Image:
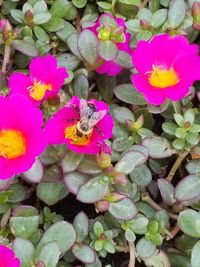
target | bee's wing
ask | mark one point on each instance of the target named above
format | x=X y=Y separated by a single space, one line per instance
x=96 y=117
x=84 y=109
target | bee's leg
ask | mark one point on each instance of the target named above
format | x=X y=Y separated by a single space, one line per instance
x=72 y=119
x=99 y=130
x=75 y=108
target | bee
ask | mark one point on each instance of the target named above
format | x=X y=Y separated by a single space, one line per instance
x=89 y=117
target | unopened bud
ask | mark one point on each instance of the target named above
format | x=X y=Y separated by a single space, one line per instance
x=54 y=101
x=135 y=125
x=102 y=205
x=114 y=197
x=195 y=9
x=120 y=178
x=2 y=22
x=7 y=32
x=29 y=18
x=145 y=24
x=196 y=26
x=41 y=264
x=104 y=160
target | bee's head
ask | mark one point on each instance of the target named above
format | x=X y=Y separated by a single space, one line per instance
x=84 y=126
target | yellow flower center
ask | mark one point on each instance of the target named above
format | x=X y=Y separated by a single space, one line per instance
x=38 y=90
x=162 y=78
x=12 y=144
x=76 y=137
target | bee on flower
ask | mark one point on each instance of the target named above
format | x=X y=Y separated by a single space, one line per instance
x=82 y=125
x=44 y=81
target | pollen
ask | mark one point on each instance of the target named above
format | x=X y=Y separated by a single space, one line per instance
x=162 y=78
x=75 y=137
x=12 y=144
x=38 y=90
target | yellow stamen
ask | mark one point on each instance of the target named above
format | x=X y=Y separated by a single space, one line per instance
x=162 y=78
x=12 y=144
x=38 y=90
x=75 y=137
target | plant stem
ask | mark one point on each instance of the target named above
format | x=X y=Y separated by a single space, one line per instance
x=176 y=165
x=132 y=254
x=177 y=107
x=174 y=232
x=6 y=58
x=146 y=198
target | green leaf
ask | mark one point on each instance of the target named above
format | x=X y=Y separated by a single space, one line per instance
x=129 y=161
x=89 y=165
x=62 y=232
x=84 y=253
x=24 y=250
x=54 y=24
x=51 y=193
x=98 y=229
x=74 y=180
x=104 y=5
x=131 y=2
x=139 y=224
x=49 y=254
x=81 y=224
x=188 y=189
x=107 y=50
x=141 y=175
x=124 y=60
x=130 y=235
x=176 y=13
x=189 y=222
x=167 y=191
x=179 y=143
x=192 y=138
x=159 y=18
x=193 y=166
x=35 y=173
x=128 y=94
x=71 y=161
x=25 y=47
x=145 y=248
x=133 y=25
x=87 y=45
x=123 y=210
x=195 y=256
x=145 y=14
x=179 y=119
x=152 y=143
x=65 y=32
x=63 y=9
x=41 y=34
x=93 y=190
x=122 y=114
x=79 y=3
x=81 y=86
x=169 y=128
x=189 y=116
x=24 y=227
x=41 y=18
x=180 y=132
x=158 y=259
x=17 y=15
x=40 y=7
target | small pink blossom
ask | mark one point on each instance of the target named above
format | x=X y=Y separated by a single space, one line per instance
x=21 y=136
x=167 y=66
x=122 y=40
x=7 y=257
x=2 y=22
x=44 y=81
x=64 y=126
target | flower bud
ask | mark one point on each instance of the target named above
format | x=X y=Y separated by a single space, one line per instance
x=195 y=10
x=41 y=264
x=29 y=18
x=104 y=160
x=102 y=205
x=120 y=178
x=114 y=197
x=145 y=24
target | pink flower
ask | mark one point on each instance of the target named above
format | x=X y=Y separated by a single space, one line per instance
x=115 y=33
x=44 y=81
x=167 y=66
x=82 y=125
x=21 y=136
x=7 y=257
x=2 y=22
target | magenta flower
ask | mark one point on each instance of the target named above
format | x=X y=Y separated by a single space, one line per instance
x=2 y=22
x=21 y=136
x=107 y=28
x=82 y=125
x=167 y=66
x=44 y=81
x=7 y=257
